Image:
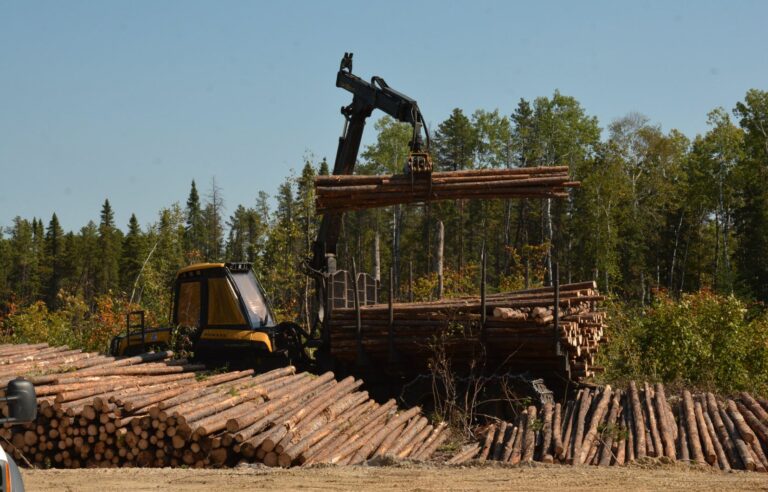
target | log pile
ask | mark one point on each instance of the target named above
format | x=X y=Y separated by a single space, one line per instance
x=343 y=193
x=606 y=427
x=151 y=410
x=519 y=331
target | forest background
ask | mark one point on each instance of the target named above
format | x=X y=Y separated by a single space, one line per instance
x=673 y=228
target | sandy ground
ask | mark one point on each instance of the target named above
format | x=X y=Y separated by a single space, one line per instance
x=402 y=477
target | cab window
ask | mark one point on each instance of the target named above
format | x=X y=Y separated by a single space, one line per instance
x=253 y=297
x=188 y=313
x=223 y=308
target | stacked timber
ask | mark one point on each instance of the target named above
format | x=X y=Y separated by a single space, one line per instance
x=356 y=192
x=606 y=427
x=519 y=331
x=151 y=410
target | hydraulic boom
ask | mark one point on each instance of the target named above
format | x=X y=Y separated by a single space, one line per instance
x=367 y=96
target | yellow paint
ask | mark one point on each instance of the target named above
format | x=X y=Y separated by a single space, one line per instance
x=155 y=336
x=199 y=266
x=238 y=335
x=163 y=337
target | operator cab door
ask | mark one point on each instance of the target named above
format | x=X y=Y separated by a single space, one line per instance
x=224 y=309
x=207 y=301
x=189 y=307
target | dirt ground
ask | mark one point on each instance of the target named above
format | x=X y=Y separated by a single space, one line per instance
x=402 y=477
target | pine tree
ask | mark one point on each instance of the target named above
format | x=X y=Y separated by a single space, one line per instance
x=455 y=146
x=134 y=251
x=88 y=267
x=22 y=275
x=246 y=235
x=262 y=207
x=69 y=262
x=108 y=270
x=38 y=257
x=194 y=231
x=323 y=169
x=53 y=257
x=214 y=224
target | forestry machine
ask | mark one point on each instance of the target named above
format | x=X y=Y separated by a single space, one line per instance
x=222 y=308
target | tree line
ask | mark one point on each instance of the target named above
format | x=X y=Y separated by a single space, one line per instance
x=656 y=210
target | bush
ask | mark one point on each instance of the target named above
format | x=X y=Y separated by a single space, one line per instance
x=706 y=340
x=74 y=324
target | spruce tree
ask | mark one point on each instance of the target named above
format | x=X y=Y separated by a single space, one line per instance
x=133 y=255
x=108 y=269
x=323 y=169
x=194 y=230
x=53 y=257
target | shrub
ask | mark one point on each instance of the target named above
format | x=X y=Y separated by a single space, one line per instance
x=75 y=324
x=703 y=339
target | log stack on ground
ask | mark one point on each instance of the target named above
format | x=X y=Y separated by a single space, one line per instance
x=519 y=331
x=151 y=410
x=344 y=193
x=606 y=427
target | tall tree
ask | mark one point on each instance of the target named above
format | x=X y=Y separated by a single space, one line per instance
x=53 y=255
x=456 y=143
x=23 y=275
x=108 y=270
x=752 y=214
x=387 y=155
x=88 y=267
x=134 y=252
x=194 y=232
x=214 y=223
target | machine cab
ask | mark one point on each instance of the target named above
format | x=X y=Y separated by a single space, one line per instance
x=221 y=306
x=220 y=296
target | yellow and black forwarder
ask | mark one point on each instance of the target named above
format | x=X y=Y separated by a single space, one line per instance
x=224 y=312
x=223 y=303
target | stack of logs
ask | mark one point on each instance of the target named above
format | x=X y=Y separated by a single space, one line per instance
x=150 y=410
x=356 y=192
x=519 y=332
x=613 y=427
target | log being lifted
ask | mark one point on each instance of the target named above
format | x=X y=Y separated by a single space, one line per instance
x=150 y=410
x=356 y=192
x=603 y=427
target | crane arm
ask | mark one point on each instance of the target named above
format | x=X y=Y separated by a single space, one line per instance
x=367 y=96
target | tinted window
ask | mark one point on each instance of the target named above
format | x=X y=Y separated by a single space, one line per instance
x=253 y=297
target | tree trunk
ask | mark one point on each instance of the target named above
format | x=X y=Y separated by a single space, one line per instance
x=439 y=257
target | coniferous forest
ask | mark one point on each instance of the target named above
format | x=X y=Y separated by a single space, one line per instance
x=660 y=217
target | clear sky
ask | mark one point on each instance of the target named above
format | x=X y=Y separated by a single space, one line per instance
x=132 y=100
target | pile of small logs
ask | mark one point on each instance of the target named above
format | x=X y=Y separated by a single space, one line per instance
x=518 y=331
x=151 y=410
x=612 y=427
x=356 y=192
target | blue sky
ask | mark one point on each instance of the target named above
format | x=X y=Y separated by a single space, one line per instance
x=132 y=100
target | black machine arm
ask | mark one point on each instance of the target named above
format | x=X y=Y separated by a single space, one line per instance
x=377 y=94
x=367 y=96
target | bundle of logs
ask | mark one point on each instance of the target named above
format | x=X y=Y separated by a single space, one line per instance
x=356 y=192
x=151 y=410
x=518 y=332
x=613 y=427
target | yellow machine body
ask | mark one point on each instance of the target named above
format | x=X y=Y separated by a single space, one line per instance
x=220 y=306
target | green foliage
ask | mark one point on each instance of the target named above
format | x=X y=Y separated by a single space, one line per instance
x=704 y=339
x=655 y=210
x=74 y=324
